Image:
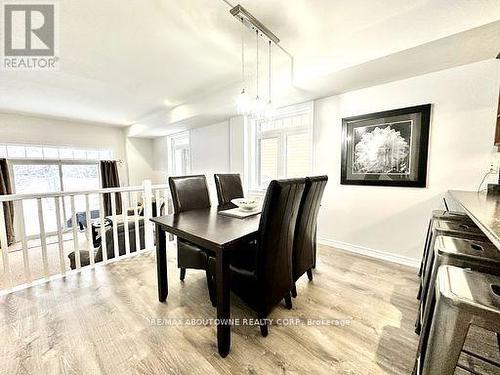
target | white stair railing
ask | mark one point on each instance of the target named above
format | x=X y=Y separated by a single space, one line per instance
x=19 y=268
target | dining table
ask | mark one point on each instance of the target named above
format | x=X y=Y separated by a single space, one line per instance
x=217 y=234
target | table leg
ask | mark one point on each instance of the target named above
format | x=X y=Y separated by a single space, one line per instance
x=223 y=303
x=161 y=264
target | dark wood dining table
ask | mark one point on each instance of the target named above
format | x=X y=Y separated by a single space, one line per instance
x=216 y=233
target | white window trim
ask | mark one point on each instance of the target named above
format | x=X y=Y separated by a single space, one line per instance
x=58 y=148
x=170 y=151
x=282 y=134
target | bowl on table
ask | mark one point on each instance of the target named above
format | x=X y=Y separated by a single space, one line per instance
x=246 y=204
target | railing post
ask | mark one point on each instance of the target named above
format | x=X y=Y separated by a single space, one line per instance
x=148 y=204
x=115 y=226
x=102 y=228
x=88 y=230
x=22 y=233
x=74 y=224
x=60 y=243
x=136 y=223
x=43 y=237
x=4 y=245
x=126 y=228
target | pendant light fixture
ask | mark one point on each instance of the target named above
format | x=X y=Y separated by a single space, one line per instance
x=269 y=110
x=258 y=105
x=243 y=101
x=258 y=108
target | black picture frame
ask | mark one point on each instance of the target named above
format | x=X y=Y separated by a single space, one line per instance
x=410 y=126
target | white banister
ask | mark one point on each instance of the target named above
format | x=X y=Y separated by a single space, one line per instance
x=75 y=233
x=4 y=245
x=17 y=197
x=24 y=240
x=43 y=238
x=18 y=267
x=148 y=205
x=116 y=251
x=88 y=230
x=60 y=243
x=125 y=222
x=157 y=202
x=136 y=223
x=102 y=228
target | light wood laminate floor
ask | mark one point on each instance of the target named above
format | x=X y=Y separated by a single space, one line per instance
x=99 y=322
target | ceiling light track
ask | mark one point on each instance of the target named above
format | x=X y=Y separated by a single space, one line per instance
x=245 y=17
x=257 y=109
x=253 y=23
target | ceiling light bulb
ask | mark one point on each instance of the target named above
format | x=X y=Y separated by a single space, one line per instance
x=269 y=110
x=243 y=103
x=258 y=108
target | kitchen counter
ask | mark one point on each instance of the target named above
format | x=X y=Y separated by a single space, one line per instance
x=483 y=209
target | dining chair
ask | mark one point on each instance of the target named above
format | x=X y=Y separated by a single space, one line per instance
x=304 y=248
x=190 y=193
x=228 y=187
x=266 y=277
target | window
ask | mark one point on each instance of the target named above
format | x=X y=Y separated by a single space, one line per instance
x=283 y=146
x=37 y=178
x=268 y=160
x=80 y=177
x=47 y=169
x=31 y=176
x=40 y=152
x=179 y=154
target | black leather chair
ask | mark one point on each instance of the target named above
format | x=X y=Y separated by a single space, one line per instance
x=190 y=193
x=304 y=249
x=228 y=187
x=265 y=278
x=110 y=244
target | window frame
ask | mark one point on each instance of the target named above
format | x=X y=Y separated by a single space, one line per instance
x=171 y=152
x=59 y=164
x=58 y=149
x=282 y=134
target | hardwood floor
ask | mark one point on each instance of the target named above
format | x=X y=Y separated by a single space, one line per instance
x=100 y=322
x=16 y=263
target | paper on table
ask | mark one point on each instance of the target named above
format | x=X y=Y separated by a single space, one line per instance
x=239 y=213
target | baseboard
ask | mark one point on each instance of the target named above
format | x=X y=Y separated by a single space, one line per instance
x=389 y=257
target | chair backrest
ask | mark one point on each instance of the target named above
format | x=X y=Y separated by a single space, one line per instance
x=189 y=193
x=275 y=239
x=304 y=249
x=228 y=187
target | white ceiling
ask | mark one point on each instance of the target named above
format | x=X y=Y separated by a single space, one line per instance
x=163 y=65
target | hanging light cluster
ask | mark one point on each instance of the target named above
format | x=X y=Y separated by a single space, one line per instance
x=256 y=108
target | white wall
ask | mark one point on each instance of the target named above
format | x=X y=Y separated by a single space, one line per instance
x=140 y=160
x=237 y=144
x=160 y=160
x=210 y=149
x=391 y=219
x=22 y=129
x=210 y=152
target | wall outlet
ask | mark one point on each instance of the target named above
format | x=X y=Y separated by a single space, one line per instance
x=493 y=166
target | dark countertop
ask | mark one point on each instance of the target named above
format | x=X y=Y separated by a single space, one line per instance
x=483 y=209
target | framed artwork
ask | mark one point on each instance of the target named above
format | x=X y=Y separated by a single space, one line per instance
x=386 y=148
